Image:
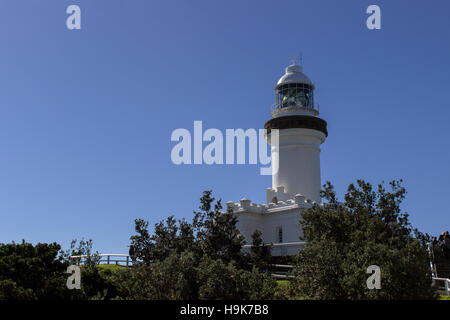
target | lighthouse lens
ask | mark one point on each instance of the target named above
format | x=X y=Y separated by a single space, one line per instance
x=295 y=95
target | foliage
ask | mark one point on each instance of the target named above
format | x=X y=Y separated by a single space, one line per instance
x=286 y=290
x=369 y=228
x=97 y=283
x=181 y=277
x=174 y=278
x=110 y=267
x=198 y=260
x=32 y=272
x=211 y=233
x=260 y=252
x=220 y=280
x=84 y=248
x=203 y=259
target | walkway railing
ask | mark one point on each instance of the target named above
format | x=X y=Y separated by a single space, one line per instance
x=430 y=249
x=446 y=286
x=281 y=248
x=107 y=258
x=282 y=271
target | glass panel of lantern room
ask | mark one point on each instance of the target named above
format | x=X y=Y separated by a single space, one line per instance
x=281 y=93
x=300 y=97
x=289 y=98
x=284 y=97
x=276 y=99
x=280 y=90
x=280 y=97
x=309 y=94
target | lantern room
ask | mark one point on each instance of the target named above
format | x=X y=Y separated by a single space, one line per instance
x=294 y=89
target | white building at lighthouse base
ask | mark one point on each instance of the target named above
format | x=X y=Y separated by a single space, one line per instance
x=279 y=222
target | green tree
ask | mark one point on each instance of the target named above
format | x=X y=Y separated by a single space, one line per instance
x=212 y=233
x=220 y=280
x=260 y=252
x=202 y=259
x=82 y=248
x=183 y=277
x=174 y=278
x=219 y=238
x=32 y=272
x=368 y=228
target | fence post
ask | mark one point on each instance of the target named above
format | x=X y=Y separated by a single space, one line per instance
x=128 y=258
x=447 y=290
x=107 y=260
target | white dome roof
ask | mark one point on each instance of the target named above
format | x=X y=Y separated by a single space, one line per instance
x=294 y=74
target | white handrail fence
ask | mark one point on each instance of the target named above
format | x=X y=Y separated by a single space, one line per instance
x=125 y=260
x=105 y=258
x=445 y=287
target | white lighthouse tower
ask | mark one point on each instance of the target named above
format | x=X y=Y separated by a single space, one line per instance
x=301 y=132
x=296 y=166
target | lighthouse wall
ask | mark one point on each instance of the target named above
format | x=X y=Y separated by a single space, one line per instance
x=297 y=162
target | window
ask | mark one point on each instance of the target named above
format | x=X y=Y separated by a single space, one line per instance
x=280 y=234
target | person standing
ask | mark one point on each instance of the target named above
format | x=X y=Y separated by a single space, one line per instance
x=446 y=246
x=132 y=253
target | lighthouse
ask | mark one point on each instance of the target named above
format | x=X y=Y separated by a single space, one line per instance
x=296 y=167
x=296 y=179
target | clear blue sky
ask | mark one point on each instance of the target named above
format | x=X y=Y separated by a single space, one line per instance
x=86 y=116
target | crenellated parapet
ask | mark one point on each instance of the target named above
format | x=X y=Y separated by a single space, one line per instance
x=275 y=195
x=246 y=206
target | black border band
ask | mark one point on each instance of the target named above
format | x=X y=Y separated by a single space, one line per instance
x=290 y=122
